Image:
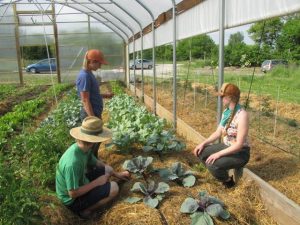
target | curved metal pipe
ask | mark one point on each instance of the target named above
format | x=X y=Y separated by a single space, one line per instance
x=153 y=54
x=174 y=66
x=129 y=28
x=110 y=27
x=103 y=17
x=141 y=31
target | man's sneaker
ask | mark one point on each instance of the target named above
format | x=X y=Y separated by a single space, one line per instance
x=229 y=184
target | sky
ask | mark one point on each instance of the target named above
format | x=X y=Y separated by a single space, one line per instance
x=243 y=29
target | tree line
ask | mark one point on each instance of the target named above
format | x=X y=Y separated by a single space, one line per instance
x=276 y=38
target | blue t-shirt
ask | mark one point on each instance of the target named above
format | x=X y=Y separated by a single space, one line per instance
x=86 y=81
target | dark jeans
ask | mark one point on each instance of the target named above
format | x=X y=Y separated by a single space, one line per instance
x=96 y=146
x=219 y=169
x=93 y=196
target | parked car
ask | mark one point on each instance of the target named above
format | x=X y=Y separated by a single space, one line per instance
x=42 y=66
x=147 y=64
x=268 y=65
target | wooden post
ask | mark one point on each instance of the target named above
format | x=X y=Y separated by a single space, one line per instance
x=17 y=38
x=56 y=43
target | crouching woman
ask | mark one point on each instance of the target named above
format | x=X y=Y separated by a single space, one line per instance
x=234 y=152
x=82 y=181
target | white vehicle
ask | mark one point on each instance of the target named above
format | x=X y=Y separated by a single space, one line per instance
x=147 y=64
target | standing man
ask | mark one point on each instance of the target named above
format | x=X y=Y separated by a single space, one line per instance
x=88 y=87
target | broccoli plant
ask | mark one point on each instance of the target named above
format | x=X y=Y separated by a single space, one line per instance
x=153 y=192
x=178 y=174
x=163 y=142
x=203 y=208
x=138 y=165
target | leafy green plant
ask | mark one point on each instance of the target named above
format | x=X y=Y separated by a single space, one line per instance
x=153 y=192
x=163 y=142
x=18 y=198
x=203 y=208
x=138 y=165
x=178 y=174
x=292 y=123
x=117 y=88
x=131 y=124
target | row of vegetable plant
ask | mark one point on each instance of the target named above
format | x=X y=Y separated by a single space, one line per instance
x=201 y=207
x=28 y=166
x=133 y=125
x=25 y=111
x=13 y=91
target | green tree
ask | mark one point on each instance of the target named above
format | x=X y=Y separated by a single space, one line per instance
x=235 y=49
x=288 y=43
x=183 y=49
x=202 y=47
x=266 y=31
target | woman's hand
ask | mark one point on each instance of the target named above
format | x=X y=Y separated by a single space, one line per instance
x=197 y=151
x=212 y=158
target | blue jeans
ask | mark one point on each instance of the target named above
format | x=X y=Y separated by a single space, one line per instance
x=219 y=169
x=93 y=196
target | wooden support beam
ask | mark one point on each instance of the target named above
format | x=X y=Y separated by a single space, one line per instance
x=17 y=38
x=56 y=44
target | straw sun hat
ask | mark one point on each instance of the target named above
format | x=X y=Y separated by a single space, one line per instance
x=91 y=130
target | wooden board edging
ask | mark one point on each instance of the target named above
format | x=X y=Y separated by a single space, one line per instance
x=283 y=210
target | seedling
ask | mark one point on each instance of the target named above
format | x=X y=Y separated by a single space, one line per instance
x=178 y=174
x=203 y=208
x=153 y=192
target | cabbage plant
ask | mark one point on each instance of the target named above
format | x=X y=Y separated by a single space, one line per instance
x=203 y=208
x=163 y=142
x=178 y=174
x=153 y=192
x=138 y=165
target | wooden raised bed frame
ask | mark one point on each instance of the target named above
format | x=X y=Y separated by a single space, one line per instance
x=281 y=208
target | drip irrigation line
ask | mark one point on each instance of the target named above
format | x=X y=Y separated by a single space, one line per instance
x=74 y=61
x=188 y=72
x=276 y=146
x=163 y=218
x=259 y=49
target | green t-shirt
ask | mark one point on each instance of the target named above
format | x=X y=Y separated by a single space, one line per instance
x=71 y=170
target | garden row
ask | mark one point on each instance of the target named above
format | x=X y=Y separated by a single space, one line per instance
x=28 y=159
x=21 y=113
x=28 y=173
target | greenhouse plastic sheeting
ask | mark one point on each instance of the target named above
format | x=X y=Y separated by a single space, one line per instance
x=128 y=17
x=204 y=18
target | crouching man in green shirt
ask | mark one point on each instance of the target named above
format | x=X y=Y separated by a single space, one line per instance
x=81 y=189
